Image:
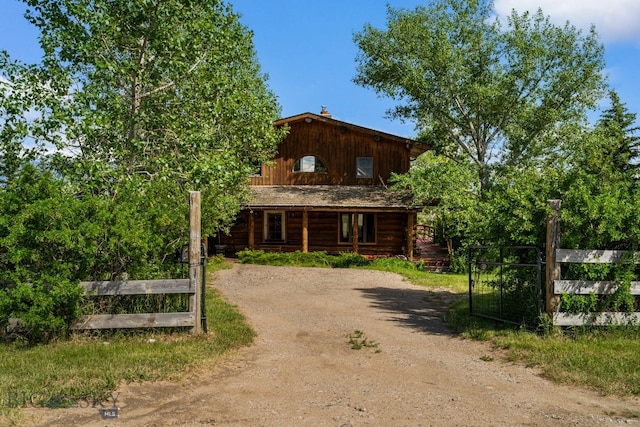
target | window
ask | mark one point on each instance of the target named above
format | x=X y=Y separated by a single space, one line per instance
x=309 y=164
x=274 y=226
x=366 y=227
x=364 y=167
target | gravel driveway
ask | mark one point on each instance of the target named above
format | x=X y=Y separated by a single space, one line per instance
x=303 y=371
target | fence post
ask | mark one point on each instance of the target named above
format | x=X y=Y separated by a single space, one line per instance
x=553 y=268
x=195 y=273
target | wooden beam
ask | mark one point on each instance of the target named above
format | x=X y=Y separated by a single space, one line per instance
x=410 y=234
x=305 y=231
x=577 y=256
x=552 y=301
x=252 y=231
x=138 y=287
x=354 y=232
x=596 y=319
x=145 y=320
x=586 y=287
x=195 y=271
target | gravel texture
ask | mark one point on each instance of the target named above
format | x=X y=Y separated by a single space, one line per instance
x=303 y=371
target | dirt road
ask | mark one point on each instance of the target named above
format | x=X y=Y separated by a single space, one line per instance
x=303 y=371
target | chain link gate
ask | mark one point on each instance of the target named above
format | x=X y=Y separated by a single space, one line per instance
x=505 y=284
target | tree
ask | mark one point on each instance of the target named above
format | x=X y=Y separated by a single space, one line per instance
x=617 y=127
x=448 y=192
x=476 y=89
x=601 y=197
x=140 y=101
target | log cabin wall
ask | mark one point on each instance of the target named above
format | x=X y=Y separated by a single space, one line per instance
x=337 y=146
x=323 y=234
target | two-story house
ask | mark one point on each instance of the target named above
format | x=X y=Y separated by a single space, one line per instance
x=326 y=190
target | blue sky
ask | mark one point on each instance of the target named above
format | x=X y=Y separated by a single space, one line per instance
x=307 y=48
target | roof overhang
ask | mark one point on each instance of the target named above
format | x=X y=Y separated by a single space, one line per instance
x=329 y=197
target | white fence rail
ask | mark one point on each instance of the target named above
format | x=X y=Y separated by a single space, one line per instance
x=556 y=286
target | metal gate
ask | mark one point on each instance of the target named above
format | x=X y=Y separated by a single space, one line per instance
x=505 y=284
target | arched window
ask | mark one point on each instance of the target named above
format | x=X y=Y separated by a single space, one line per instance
x=309 y=164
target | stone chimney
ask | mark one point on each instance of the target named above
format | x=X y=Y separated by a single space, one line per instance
x=325 y=112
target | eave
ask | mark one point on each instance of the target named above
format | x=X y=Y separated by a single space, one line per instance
x=329 y=198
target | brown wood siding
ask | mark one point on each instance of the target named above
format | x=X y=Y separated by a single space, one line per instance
x=323 y=234
x=391 y=233
x=337 y=147
x=323 y=231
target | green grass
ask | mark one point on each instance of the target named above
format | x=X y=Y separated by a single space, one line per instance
x=603 y=359
x=300 y=259
x=411 y=271
x=95 y=365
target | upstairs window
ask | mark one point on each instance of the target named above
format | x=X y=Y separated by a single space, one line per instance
x=364 y=167
x=309 y=164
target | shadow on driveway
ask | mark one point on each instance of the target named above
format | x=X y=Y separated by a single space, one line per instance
x=420 y=309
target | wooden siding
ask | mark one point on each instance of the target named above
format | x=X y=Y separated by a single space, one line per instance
x=324 y=230
x=338 y=147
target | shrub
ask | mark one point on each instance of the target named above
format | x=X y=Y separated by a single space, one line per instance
x=45 y=309
x=348 y=259
x=300 y=259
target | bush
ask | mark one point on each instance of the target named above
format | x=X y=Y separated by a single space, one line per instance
x=45 y=309
x=347 y=260
x=300 y=259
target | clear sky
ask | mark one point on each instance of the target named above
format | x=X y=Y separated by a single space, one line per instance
x=307 y=48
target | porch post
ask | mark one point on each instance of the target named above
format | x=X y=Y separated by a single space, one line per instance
x=252 y=229
x=410 y=225
x=305 y=231
x=355 y=232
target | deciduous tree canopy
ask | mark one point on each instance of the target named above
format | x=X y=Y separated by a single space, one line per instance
x=477 y=87
x=135 y=103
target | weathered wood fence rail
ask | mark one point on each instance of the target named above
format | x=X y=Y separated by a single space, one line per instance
x=141 y=320
x=192 y=286
x=556 y=286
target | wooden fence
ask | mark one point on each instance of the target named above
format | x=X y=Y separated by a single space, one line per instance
x=556 y=286
x=190 y=286
x=145 y=320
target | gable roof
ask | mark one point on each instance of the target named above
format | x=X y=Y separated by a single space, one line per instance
x=415 y=147
x=328 y=197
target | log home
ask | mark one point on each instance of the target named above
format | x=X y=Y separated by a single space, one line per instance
x=326 y=190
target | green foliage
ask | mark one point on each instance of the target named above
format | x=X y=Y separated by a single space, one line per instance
x=358 y=341
x=618 y=126
x=393 y=264
x=475 y=89
x=448 y=191
x=576 y=304
x=348 y=260
x=133 y=105
x=45 y=309
x=300 y=259
x=621 y=300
